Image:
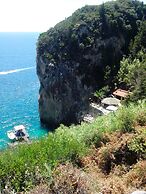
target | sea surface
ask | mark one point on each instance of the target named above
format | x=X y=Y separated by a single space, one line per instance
x=19 y=85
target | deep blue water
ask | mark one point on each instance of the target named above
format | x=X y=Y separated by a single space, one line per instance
x=19 y=85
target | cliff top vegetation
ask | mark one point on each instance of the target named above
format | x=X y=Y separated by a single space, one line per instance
x=96 y=38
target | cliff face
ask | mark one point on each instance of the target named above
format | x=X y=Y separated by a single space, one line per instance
x=61 y=94
x=82 y=54
x=67 y=86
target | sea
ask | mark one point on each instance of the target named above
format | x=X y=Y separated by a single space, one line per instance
x=19 y=85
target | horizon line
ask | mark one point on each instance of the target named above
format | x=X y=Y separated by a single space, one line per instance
x=21 y=31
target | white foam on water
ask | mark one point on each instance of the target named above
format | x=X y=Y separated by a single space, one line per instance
x=15 y=70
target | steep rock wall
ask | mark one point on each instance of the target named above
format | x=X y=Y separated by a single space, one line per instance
x=82 y=54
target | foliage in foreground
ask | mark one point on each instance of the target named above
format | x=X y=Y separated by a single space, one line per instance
x=28 y=165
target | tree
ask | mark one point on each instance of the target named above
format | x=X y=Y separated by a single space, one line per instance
x=132 y=74
x=139 y=40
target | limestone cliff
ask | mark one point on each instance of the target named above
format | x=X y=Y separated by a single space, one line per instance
x=62 y=95
x=82 y=54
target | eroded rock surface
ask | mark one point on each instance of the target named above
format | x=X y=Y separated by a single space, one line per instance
x=62 y=94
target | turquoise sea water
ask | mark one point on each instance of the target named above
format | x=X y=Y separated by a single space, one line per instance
x=19 y=85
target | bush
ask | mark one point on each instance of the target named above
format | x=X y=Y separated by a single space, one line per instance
x=28 y=164
x=138 y=145
x=137 y=176
x=141 y=116
x=104 y=160
x=126 y=119
x=69 y=179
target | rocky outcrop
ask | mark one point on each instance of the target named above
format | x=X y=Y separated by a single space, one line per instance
x=80 y=55
x=62 y=95
x=66 y=86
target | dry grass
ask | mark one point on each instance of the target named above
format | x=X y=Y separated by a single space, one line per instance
x=111 y=168
x=67 y=179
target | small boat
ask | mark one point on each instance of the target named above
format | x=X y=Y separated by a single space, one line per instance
x=18 y=133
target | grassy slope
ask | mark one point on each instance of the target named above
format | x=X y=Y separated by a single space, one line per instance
x=30 y=165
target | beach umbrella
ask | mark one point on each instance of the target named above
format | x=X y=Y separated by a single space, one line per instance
x=112 y=108
x=110 y=101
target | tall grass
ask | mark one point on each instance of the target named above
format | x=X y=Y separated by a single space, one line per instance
x=29 y=164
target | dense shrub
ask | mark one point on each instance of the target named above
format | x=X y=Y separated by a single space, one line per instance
x=138 y=145
x=69 y=179
x=132 y=72
x=137 y=176
x=26 y=165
